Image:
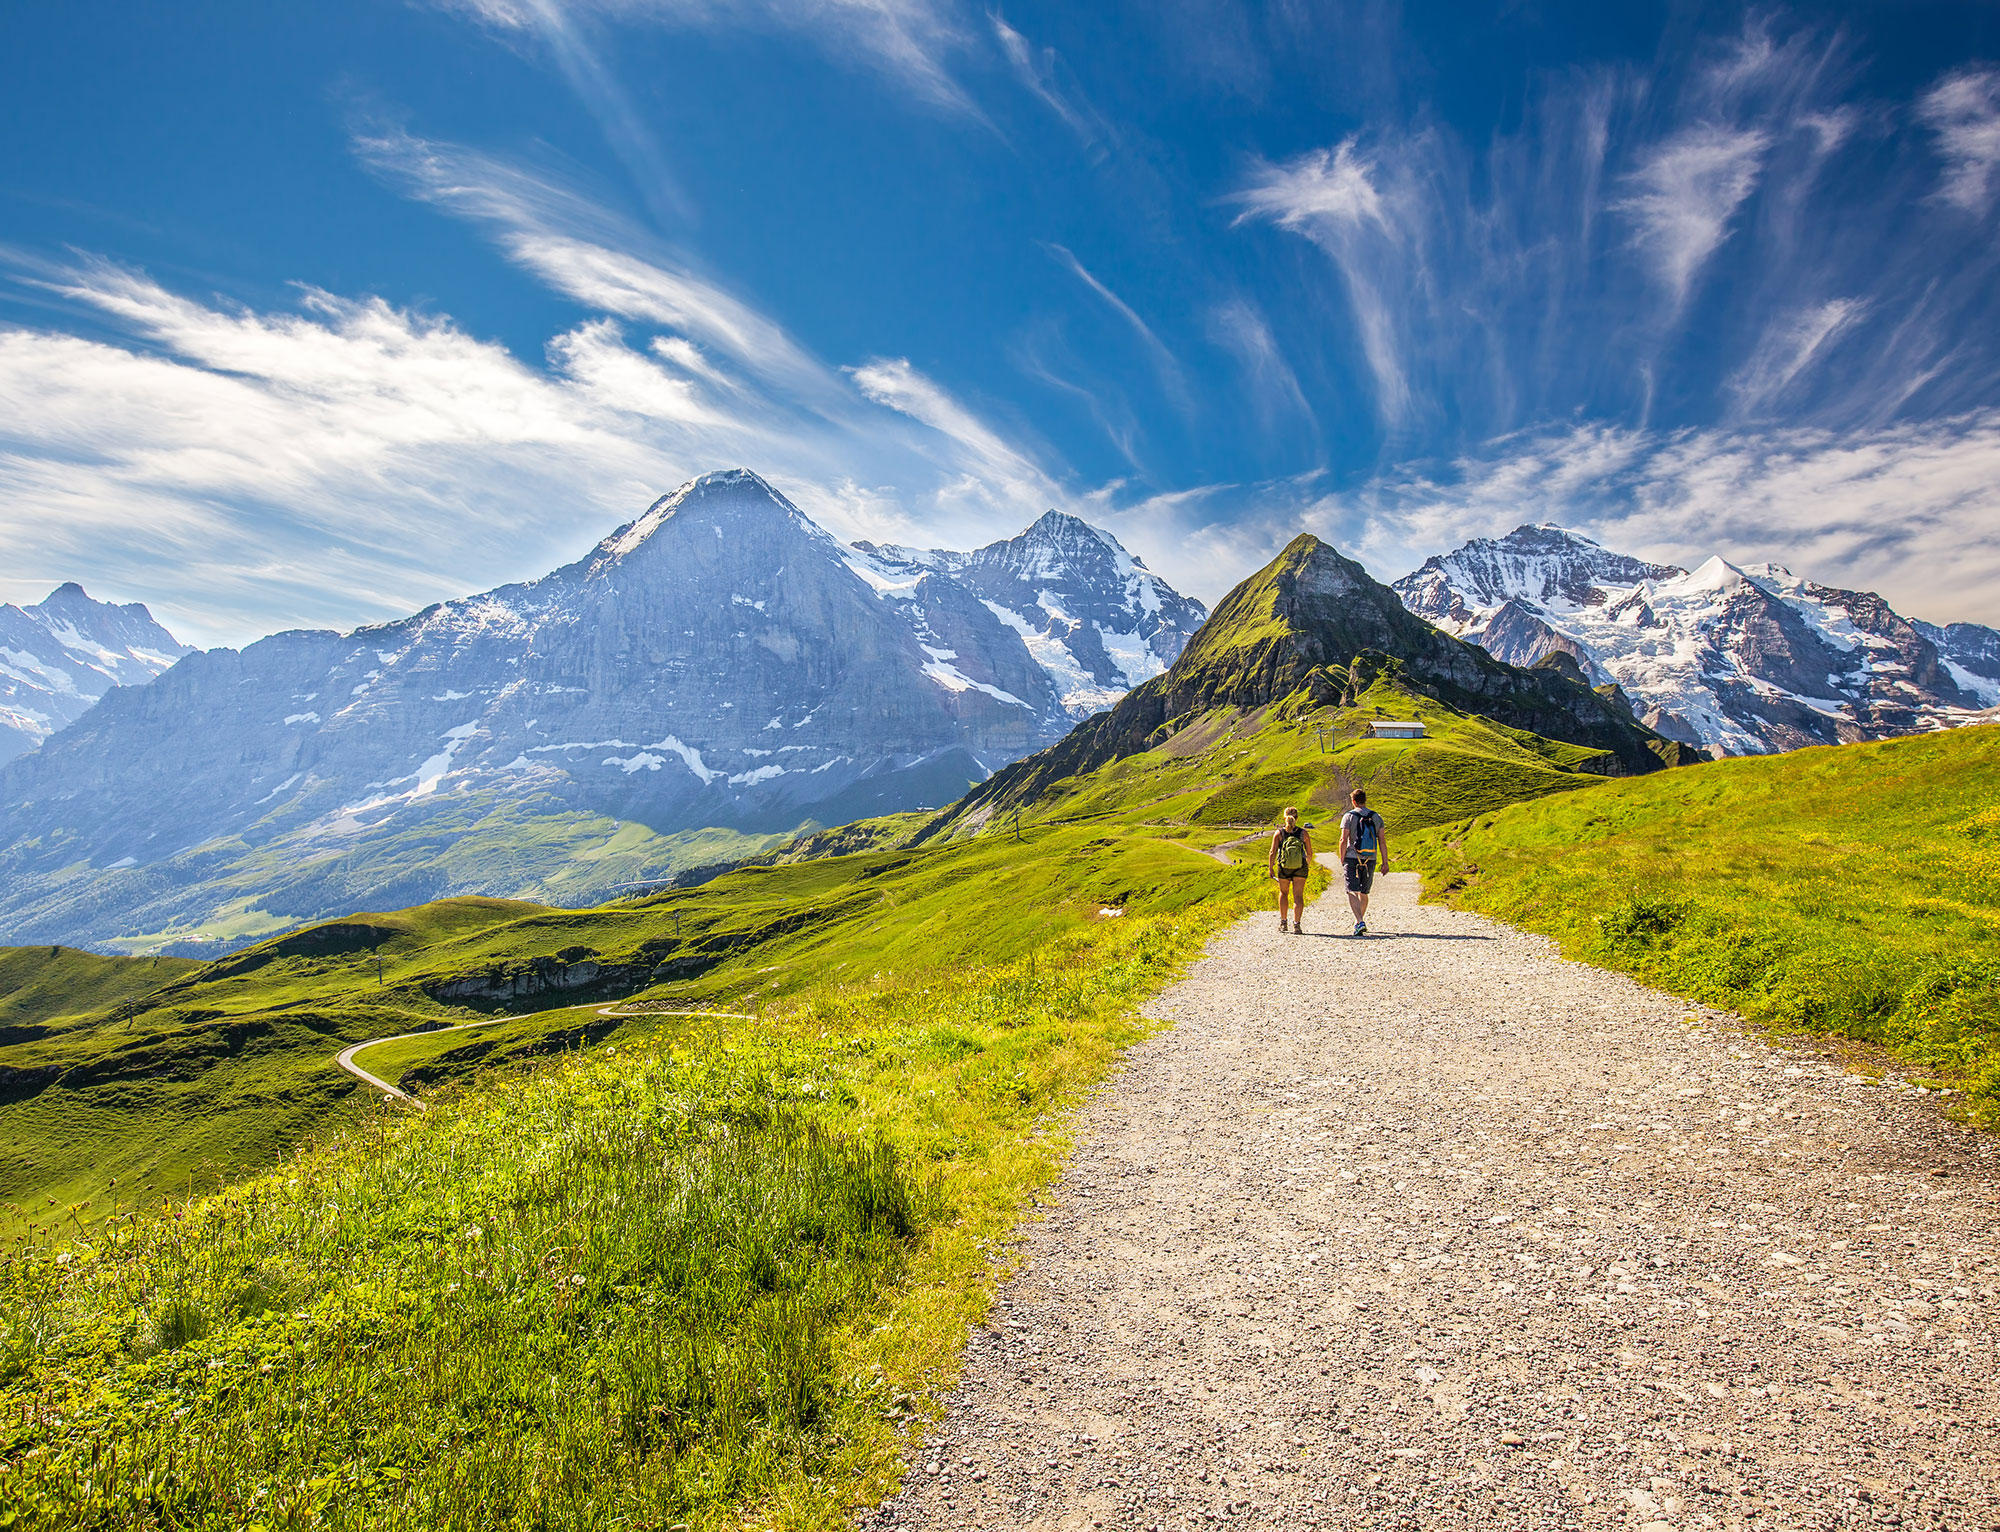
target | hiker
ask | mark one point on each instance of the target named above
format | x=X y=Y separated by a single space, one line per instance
x=1364 y=851
x=1291 y=858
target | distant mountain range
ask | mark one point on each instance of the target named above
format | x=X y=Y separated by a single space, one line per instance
x=1734 y=660
x=1314 y=630
x=721 y=661
x=60 y=656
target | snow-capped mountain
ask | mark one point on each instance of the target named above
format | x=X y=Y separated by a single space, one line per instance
x=722 y=661
x=1734 y=659
x=61 y=655
x=1095 y=618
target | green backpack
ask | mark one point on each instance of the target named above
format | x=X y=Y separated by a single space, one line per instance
x=1291 y=853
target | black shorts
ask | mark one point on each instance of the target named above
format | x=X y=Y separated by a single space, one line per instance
x=1360 y=874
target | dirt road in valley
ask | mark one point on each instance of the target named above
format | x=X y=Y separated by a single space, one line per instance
x=1435 y=1230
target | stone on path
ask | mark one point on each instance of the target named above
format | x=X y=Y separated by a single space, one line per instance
x=1433 y=1229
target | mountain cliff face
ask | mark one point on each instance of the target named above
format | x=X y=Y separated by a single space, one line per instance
x=720 y=662
x=59 y=656
x=1314 y=622
x=1733 y=660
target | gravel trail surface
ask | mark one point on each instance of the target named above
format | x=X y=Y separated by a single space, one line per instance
x=1437 y=1230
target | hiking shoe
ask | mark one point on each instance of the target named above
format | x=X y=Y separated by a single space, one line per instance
x=1297 y=929
x=1360 y=928
x=1283 y=925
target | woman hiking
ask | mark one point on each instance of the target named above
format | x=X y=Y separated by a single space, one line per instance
x=1290 y=861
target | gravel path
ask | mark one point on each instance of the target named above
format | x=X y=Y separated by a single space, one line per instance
x=1438 y=1230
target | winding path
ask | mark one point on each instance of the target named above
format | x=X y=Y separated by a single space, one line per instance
x=345 y=1058
x=1437 y=1230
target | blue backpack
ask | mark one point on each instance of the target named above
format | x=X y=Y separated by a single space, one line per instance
x=1364 y=833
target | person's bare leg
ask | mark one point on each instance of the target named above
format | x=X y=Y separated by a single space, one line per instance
x=1298 y=904
x=1281 y=904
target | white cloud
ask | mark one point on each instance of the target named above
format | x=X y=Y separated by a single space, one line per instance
x=1963 y=110
x=1331 y=197
x=894 y=383
x=1791 y=343
x=1320 y=191
x=1035 y=68
x=1685 y=194
x=911 y=41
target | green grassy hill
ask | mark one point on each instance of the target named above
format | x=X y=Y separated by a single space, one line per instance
x=1851 y=890
x=40 y=986
x=699 y=1265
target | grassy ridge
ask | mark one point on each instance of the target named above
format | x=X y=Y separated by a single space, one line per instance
x=1851 y=890
x=651 y=1284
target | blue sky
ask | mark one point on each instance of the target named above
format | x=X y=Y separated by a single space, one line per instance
x=311 y=315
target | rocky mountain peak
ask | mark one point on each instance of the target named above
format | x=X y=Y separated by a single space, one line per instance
x=60 y=655
x=734 y=502
x=1735 y=658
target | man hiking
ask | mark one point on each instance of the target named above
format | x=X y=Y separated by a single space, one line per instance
x=1290 y=861
x=1364 y=850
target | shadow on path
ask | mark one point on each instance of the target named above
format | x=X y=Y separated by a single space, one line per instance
x=1400 y=936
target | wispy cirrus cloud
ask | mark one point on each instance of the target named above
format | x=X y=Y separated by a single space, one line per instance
x=1241 y=329
x=1684 y=194
x=1173 y=377
x=1963 y=111
x=1680 y=245
x=1036 y=69
x=1332 y=197
x=1793 y=342
x=910 y=41
x=988 y=456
